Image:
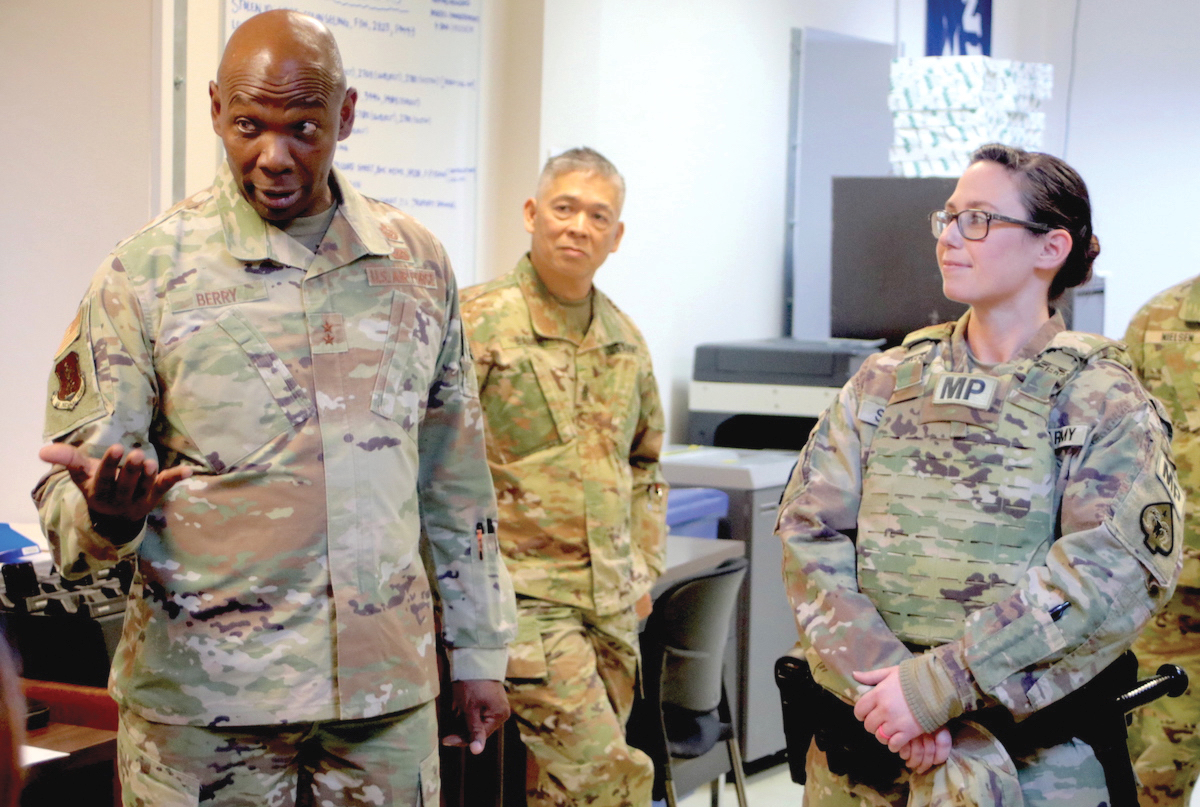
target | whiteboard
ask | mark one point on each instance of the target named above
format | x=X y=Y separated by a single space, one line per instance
x=415 y=64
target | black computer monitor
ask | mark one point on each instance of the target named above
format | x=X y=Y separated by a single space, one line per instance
x=885 y=280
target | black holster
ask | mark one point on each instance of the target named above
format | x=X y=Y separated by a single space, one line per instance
x=811 y=712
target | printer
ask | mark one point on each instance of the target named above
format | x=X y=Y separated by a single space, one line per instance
x=768 y=393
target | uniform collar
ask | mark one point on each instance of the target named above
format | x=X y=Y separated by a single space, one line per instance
x=1036 y=344
x=352 y=233
x=1190 y=310
x=547 y=318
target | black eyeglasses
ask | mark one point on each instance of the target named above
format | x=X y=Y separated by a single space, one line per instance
x=975 y=224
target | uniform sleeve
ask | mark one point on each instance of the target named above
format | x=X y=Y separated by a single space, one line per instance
x=458 y=514
x=840 y=629
x=103 y=391
x=1114 y=565
x=1135 y=340
x=648 y=503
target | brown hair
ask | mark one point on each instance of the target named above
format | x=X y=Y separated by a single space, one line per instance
x=1053 y=194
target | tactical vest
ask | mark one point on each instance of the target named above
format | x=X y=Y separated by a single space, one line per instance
x=959 y=491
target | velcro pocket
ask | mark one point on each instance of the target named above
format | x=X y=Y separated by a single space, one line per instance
x=228 y=391
x=526 y=653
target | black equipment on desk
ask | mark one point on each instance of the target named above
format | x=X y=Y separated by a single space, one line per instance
x=767 y=393
x=64 y=630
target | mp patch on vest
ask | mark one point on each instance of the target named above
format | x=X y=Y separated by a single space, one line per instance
x=965 y=389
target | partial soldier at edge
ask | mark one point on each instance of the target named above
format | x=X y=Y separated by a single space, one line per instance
x=1164 y=343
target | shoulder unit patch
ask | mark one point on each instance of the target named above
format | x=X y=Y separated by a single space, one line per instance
x=1158 y=528
x=71 y=385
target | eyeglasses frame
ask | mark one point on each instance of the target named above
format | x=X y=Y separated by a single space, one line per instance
x=1035 y=226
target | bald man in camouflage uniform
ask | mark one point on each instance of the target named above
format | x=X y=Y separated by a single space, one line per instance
x=998 y=534
x=1164 y=342
x=574 y=428
x=264 y=401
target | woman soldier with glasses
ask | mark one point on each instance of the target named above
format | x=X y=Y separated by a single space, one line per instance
x=983 y=521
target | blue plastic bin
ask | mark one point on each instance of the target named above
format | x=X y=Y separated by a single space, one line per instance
x=696 y=511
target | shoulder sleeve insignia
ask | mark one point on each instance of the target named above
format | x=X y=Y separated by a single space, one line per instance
x=70 y=381
x=1158 y=528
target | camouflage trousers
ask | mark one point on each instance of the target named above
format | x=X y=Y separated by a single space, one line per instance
x=1066 y=775
x=1163 y=739
x=389 y=760
x=572 y=677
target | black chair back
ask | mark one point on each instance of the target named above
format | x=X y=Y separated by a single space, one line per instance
x=691 y=622
x=684 y=711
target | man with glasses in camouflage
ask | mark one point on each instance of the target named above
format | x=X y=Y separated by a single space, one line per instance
x=574 y=428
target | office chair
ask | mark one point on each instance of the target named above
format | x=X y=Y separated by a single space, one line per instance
x=684 y=711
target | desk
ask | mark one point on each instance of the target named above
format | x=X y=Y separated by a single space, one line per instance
x=82 y=726
x=83 y=745
x=84 y=778
x=687 y=556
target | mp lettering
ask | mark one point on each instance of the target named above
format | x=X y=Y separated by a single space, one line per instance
x=1166 y=474
x=965 y=389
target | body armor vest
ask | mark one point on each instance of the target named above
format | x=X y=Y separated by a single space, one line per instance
x=959 y=491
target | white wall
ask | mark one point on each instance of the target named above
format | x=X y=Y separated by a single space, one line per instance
x=510 y=115
x=1135 y=138
x=1131 y=129
x=78 y=149
x=689 y=98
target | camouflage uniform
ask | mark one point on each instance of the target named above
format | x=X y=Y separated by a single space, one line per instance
x=1164 y=343
x=326 y=405
x=906 y=471
x=573 y=437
